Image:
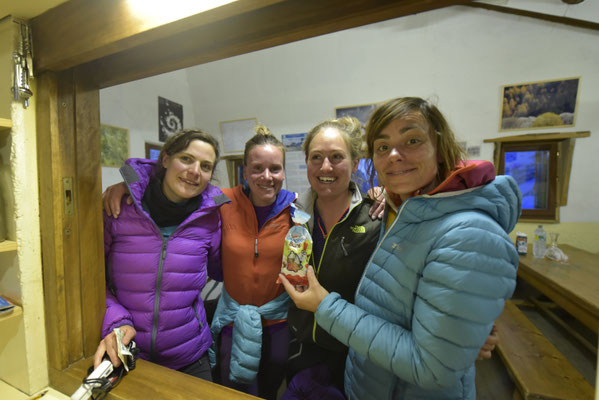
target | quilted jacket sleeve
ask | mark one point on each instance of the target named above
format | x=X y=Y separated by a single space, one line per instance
x=466 y=278
x=116 y=315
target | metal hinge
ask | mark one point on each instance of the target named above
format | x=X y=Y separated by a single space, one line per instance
x=23 y=64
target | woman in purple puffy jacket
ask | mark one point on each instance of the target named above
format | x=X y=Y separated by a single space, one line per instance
x=158 y=253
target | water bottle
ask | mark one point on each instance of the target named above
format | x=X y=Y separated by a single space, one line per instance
x=540 y=242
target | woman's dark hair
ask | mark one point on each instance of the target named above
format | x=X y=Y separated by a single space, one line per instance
x=180 y=141
x=261 y=138
x=448 y=149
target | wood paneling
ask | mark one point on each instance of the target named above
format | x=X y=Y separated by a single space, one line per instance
x=51 y=213
x=89 y=207
x=68 y=223
x=69 y=147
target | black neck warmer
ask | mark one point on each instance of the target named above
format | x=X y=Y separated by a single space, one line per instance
x=165 y=212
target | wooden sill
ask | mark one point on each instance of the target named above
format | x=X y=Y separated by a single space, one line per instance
x=539 y=136
x=7 y=245
x=148 y=381
x=5 y=124
x=6 y=317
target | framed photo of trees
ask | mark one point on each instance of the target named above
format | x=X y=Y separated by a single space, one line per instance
x=537 y=105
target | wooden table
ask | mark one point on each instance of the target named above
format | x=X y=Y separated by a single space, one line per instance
x=150 y=381
x=573 y=286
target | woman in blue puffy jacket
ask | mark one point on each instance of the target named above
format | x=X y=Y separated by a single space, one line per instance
x=441 y=272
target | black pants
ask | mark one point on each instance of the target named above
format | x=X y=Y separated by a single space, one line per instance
x=307 y=355
x=199 y=369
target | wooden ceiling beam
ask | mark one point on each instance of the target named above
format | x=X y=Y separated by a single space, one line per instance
x=537 y=15
x=277 y=24
x=80 y=31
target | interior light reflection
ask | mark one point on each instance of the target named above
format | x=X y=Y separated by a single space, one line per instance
x=165 y=11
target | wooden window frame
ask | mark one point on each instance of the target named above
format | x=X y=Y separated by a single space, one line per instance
x=551 y=213
x=152 y=146
x=234 y=163
x=561 y=150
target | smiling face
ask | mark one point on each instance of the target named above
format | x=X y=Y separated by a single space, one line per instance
x=405 y=156
x=329 y=164
x=265 y=174
x=188 y=172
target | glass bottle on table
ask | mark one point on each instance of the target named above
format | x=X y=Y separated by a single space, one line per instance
x=539 y=245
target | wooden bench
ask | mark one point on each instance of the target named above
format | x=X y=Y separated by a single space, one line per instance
x=537 y=368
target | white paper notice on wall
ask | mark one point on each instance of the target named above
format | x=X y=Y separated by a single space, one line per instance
x=236 y=133
x=295 y=163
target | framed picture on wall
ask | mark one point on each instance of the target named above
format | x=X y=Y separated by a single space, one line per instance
x=236 y=133
x=152 y=151
x=540 y=104
x=361 y=112
x=170 y=118
x=115 y=145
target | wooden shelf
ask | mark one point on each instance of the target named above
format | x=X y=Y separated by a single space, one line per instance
x=13 y=362
x=5 y=124
x=8 y=245
x=11 y=315
x=539 y=136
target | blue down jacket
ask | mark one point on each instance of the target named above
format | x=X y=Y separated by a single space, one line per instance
x=426 y=303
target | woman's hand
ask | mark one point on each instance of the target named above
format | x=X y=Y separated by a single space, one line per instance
x=111 y=198
x=306 y=298
x=489 y=346
x=108 y=346
x=377 y=210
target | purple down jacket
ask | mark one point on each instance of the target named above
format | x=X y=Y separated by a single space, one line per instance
x=154 y=284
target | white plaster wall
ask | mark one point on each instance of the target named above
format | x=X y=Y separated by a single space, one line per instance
x=135 y=106
x=21 y=270
x=26 y=216
x=459 y=57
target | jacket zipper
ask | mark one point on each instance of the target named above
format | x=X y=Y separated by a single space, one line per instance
x=323 y=252
x=378 y=245
x=343 y=247
x=109 y=281
x=159 y=275
x=256 y=254
x=157 y=299
x=195 y=311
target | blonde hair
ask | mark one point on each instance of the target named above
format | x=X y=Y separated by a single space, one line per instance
x=351 y=132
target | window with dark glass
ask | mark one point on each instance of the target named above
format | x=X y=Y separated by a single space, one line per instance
x=541 y=164
x=533 y=166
